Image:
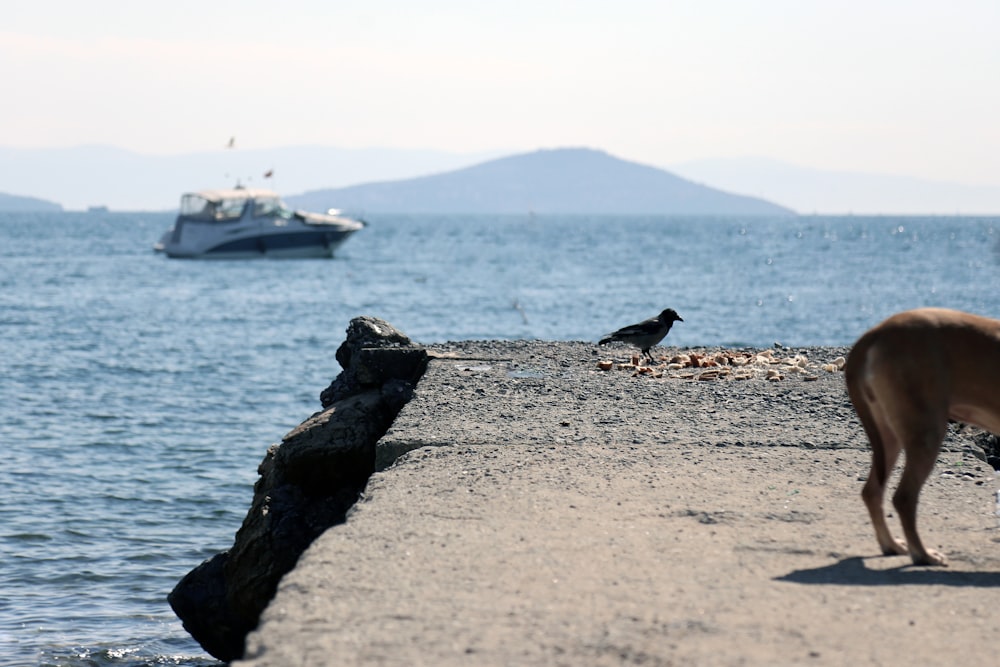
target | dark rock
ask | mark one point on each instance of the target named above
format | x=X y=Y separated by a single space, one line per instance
x=307 y=484
x=397 y=393
x=373 y=337
x=202 y=606
x=367 y=331
x=990 y=444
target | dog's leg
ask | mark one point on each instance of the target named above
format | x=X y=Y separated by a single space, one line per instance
x=885 y=451
x=921 y=455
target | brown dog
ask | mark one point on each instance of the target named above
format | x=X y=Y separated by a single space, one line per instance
x=906 y=378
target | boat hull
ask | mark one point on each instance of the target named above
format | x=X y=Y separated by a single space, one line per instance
x=281 y=245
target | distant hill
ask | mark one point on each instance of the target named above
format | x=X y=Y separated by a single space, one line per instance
x=838 y=192
x=376 y=179
x=85 y=176
x=13 y=203
x=569 y=180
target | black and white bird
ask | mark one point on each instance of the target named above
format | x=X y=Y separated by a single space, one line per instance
x=646 y=334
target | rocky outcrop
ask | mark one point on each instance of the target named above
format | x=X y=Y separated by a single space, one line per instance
x=307 y=483
x=989 y=443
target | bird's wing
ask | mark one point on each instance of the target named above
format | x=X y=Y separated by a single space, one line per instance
x=640 y=329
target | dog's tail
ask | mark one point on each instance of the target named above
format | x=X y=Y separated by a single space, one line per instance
x=855 y=375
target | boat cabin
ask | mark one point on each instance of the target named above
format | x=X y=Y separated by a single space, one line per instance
x=229 y=205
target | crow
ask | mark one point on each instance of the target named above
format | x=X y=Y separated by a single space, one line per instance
x=646 y=334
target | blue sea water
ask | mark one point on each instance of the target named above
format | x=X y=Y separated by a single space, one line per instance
x=139 y=393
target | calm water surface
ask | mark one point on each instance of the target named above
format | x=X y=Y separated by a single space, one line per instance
x=139 y=393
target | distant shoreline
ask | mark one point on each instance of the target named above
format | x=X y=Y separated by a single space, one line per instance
x=54 y=208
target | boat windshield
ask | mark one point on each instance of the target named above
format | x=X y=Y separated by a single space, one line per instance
x=197 y=206
x=270 y=207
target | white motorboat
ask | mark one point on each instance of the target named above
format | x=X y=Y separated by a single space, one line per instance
x=243 y=223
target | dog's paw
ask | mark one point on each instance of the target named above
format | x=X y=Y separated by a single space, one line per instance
x=895 y=548
x=931 y=557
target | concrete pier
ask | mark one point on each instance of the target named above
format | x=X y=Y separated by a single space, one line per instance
x=531 y=508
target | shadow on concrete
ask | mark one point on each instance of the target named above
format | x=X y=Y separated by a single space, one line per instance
x=854 y=572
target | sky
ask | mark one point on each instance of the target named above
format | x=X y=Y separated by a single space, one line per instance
x=907 y=87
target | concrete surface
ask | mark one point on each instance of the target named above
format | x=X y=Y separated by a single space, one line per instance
x=545 y=512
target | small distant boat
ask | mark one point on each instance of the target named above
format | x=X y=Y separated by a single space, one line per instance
x=97 y=209
x=244 y=223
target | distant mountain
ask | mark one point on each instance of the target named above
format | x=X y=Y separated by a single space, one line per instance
x=838 y=192
x=17 y=204
x=87 y=176
x=569 y=180
x=389 y=179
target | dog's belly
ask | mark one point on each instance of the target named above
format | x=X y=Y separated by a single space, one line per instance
x=977 y=415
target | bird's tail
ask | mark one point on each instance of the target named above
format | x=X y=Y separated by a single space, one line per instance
x=606 y=340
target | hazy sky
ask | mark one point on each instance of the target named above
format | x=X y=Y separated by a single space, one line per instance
x=898 y=86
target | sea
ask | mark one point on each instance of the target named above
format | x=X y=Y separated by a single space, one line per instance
x=139 y=393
